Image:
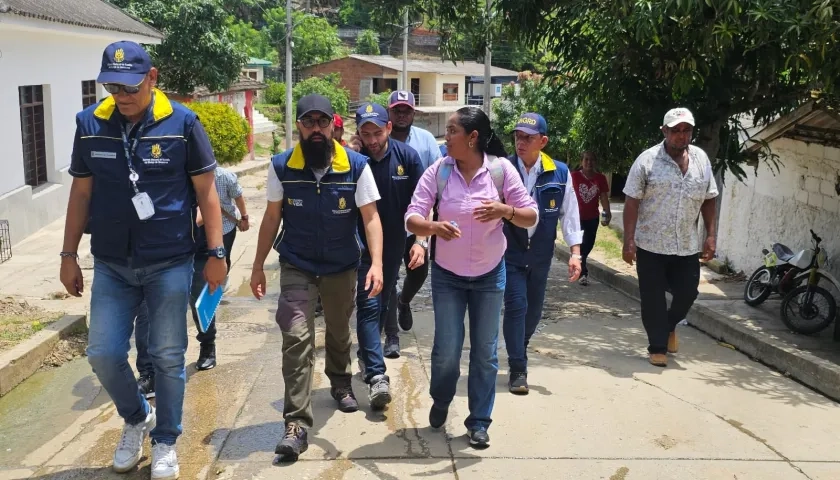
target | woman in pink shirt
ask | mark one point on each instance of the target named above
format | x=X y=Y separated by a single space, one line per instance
x=468 y=268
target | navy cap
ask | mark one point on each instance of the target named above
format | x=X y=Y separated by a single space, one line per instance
x=125 y=63
x=532 y=124
x=401 y=97
x=314 y=103
x=371 y=112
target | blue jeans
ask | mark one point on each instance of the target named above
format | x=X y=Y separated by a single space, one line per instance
x=452 y=296
x=116 y=296
x=141 y=328
x=371 y=314
x=524 y=297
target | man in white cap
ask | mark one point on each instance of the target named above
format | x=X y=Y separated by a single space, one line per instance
x=669 y=186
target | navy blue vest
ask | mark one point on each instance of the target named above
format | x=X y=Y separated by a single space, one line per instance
x=396 y=177
x=319 y=216
x=550 y=190
x=160 y=159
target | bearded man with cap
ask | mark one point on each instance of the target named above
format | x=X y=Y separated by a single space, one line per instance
x=140 y=164
x=320 y=190
x=397 y=169
x=668 y=188
x=530 y=250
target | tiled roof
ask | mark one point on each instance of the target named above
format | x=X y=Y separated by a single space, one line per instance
x=98 y=14
x=443 y=67
x=244 y=83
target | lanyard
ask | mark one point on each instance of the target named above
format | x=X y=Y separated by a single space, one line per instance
x=130 y=148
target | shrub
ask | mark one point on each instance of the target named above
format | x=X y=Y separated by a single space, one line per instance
x=227 y=130
x=367 y=43
x=328 y=86
x=275 y=94
x=380 y=98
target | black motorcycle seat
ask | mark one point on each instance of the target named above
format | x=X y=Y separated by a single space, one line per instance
x=783 y=252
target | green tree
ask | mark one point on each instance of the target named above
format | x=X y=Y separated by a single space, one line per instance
x=367 y=43
x=328 y=86
x=547 y=96
x=253 y=42
x=315 y=40
x=198 y=49
x=629 y=61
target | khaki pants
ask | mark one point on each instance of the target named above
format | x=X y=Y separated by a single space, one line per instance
x=299 y=292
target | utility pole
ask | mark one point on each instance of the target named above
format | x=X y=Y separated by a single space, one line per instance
x=405 y=85
x=289 y=81
x=488 y=85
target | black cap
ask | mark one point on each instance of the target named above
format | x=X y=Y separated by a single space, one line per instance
x=314 y=103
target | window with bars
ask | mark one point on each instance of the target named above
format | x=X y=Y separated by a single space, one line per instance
x=32 y=132
x=88 y=93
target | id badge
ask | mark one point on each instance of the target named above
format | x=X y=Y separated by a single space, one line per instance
x=143 y=205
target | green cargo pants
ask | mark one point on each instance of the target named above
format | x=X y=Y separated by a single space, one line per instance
x=299 y=292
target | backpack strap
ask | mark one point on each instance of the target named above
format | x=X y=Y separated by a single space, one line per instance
x=497 y=173
x=443 y=172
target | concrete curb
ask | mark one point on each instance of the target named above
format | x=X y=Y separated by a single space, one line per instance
x=23 y=360
x=819 y=374
x=251 y=169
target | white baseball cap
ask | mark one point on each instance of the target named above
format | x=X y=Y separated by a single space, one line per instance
x=676 y=116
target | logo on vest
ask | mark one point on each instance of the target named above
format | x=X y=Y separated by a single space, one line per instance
x=157 y=154
x=552 y=206
x=294 y=202
x=119 y=55
x=342 y=207
x=400 y=170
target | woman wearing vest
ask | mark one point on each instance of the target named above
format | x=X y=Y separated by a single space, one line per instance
x=530 y=250
x=471 y=191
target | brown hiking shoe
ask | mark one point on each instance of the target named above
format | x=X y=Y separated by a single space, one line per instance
x=658 y=359
x=673 y=343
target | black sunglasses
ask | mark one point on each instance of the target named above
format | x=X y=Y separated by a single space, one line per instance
x=309 y=122
x=114 y=88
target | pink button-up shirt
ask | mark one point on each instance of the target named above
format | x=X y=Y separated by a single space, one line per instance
x=482 y=245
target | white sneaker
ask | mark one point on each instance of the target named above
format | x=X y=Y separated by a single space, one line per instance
x=164 y=462
x=130 y=448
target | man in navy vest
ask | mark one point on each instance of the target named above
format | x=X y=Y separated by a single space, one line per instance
x=396 y=168
x=140 y=164
x=319 y=189
x=530 y=251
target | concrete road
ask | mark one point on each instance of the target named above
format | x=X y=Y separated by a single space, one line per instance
x=597 y=409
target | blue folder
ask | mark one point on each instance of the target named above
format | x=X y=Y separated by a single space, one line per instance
x=206 y=306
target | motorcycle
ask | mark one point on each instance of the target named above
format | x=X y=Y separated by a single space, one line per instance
x=814 y=305
x=777 y=275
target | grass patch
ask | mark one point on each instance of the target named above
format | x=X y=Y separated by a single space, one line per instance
x=609 y=241
x=19 y=321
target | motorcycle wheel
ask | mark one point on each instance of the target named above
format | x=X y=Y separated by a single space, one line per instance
x=758 y=287
x=808 y=309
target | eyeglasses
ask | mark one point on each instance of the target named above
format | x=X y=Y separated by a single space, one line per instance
x=115 y=88
x=309 y=122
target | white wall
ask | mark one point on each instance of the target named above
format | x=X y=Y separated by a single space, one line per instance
x=59 y=57
x=781 y=208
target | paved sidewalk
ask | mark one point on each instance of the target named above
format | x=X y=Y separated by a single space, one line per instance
x=597 y=409
x=720 y=311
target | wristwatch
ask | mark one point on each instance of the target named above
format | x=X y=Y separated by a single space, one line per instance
x=422 y=243
x=578 y=256
x=218 y=252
